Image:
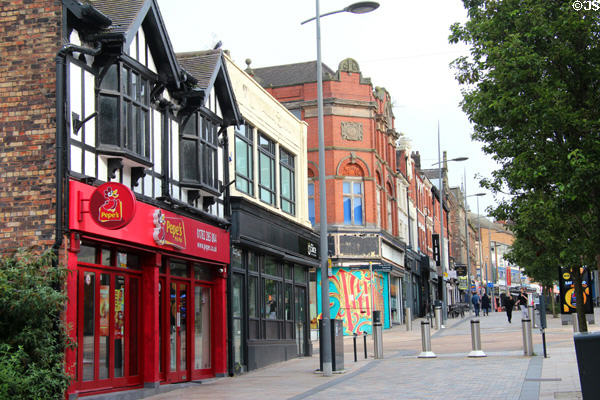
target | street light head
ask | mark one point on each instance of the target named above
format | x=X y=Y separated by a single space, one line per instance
x=459 y=159
x=479 y=194
x=362 y=7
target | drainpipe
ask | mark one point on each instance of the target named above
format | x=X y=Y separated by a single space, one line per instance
x=60 y=60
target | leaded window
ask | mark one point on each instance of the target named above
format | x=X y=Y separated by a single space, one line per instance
x=124 y=112
x=199 y=147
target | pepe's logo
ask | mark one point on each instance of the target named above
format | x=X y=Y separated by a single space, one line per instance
x=168 y=230
x=112 y=208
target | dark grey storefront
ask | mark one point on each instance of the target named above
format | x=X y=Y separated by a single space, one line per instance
x=268 y=299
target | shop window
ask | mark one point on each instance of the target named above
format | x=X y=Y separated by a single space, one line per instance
x=252 y=296
x=271 y=307
x=178 y=268
x=244 y=159
x=252 y=262
x=287 y=182
x=124 y=112
x=105 y=257
x=299 y=274
x=87 y=254
x=353 y=202
x=199 y=148
x=203 y=272
x=271 y=266
x=266 y=167
x=289 y=296
x=289 y=270
x=236 y=258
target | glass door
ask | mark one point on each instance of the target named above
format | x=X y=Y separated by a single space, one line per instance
x=178 y=331
x=300 y=311
x=109 y=329
x=238 y=317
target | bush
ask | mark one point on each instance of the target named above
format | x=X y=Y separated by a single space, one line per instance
x=33 y=337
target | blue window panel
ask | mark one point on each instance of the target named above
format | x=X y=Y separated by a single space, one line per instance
x=357 y=188
x=347 y=188
x=347 y=211
x=358 y=211
x=311 y=189
x=311 y=211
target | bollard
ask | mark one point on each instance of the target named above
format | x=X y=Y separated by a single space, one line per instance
x=438 y=317
x=354 y=340
x=575 y=322
x=365 y=345
x=408 y=319
x=476 y=340
x=377 y=335
x=426 y=341
x=527 y=339
x=531 y=314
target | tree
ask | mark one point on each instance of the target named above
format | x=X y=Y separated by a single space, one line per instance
x=531 y=90
x=33 y=338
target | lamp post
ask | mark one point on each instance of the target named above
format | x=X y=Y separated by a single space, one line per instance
x=325 y=337
x=479 y=252
x=442 y=252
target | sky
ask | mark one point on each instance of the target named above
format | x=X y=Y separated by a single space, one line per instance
x=402 y=46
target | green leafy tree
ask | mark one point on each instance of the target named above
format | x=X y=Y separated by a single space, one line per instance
x=532 y=91
x=32 y=337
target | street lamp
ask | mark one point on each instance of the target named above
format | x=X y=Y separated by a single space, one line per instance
x=441 y=188
x=325 y=336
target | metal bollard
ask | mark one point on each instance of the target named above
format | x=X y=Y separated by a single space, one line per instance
x=377 y=335
x=354 y=340
x=527 y=338
x=531 y=314
x=426 y=341
x=476 y=340
x=575 y=322
x=408 y=318
x=438 y=317
x=365 y=345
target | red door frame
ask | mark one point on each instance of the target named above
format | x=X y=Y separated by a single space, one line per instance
x=111 y=382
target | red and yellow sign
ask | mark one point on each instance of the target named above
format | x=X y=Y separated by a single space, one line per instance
x=168 y=230
x=112 y=205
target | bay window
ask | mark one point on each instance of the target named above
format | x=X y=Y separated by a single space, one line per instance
x=199 y=147
x=287 y=182
x=244 y=160
x=266 y=167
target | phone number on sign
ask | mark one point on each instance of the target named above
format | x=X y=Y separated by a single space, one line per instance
x=586 y=5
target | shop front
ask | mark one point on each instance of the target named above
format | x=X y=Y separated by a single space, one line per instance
x=269 y=287
x=146 y=291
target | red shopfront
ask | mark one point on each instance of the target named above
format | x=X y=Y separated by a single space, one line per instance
x=146 y=293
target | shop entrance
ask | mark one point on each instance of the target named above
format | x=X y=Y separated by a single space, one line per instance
x=185 y=321
x=109 y=319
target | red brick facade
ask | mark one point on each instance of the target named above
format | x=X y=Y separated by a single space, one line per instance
x=30 y=38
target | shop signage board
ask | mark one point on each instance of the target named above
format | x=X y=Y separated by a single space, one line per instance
x=151 y=226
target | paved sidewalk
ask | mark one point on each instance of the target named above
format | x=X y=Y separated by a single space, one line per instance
x=504 y=374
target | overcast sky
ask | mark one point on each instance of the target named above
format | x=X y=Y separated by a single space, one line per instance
x=402 y=46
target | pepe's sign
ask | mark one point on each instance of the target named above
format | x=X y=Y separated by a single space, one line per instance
x=168 y=230
x=112 y=205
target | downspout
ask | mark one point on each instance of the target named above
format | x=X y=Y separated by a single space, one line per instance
x=60 y=60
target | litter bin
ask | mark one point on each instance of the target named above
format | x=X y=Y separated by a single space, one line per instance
x=337 y=345
x=587 y=349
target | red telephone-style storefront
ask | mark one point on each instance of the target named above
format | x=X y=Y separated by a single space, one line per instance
x=146 y=291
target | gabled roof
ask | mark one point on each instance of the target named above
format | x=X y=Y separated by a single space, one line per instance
x=127 y=17
x=209 y=70
x=290 y=74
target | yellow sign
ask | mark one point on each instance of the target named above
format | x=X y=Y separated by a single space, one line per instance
x=566 y=276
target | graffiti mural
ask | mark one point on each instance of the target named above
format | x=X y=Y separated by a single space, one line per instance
x=350 y=299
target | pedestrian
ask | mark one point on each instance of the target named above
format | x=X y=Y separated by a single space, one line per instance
x=509 y=303
x=522 y=301
x=485 y=304
x=476 y=303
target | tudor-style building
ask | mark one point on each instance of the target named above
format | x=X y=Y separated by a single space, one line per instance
x=137 y=182
x=273 y=244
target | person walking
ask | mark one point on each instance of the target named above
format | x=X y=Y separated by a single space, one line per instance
x=485 y=304
x=475 y=299
x=509 y=303
x=522 y=301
